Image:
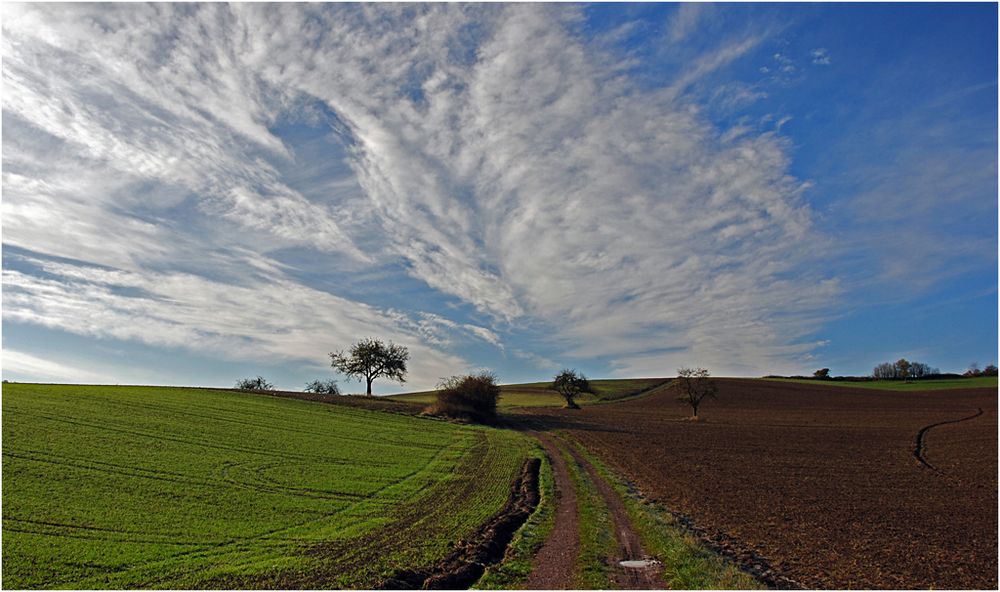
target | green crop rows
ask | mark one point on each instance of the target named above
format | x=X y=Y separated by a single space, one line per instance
x=146 y=487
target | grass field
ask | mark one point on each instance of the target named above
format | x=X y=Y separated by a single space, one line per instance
x=146 y=487
x=895 y=385
x=538 y=394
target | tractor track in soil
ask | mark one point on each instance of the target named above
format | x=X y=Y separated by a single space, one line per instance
x=920 y=449
x=555 y=563
x=629 y=544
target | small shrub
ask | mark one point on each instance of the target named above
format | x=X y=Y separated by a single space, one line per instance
x=323 y=387
x=258 y=383
x=473 y=397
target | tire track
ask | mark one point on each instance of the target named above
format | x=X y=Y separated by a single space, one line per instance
x=555 y=564
x=920 y=449
x=629 y=543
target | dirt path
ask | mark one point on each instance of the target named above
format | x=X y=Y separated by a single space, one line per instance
x=629 y=544
x=555 y=564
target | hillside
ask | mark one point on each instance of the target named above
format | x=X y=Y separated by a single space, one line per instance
x=538 y=394
x=139 y=487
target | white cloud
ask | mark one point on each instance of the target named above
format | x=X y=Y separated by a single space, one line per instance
x=503 y=159
x=820 y=56
x=686 y=20
x=265 y=319
x=17 y=363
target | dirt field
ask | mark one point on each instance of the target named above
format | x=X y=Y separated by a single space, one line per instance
x=824 y=483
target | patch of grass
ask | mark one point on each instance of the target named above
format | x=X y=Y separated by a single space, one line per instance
x=538 y=394
x=513 y=572
x=898 y=385
x=687 y=565
x=150 y=487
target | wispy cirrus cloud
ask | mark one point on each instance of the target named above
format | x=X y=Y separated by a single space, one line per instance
x=498 y=157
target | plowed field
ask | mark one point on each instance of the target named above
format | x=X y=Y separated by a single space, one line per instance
x=821 y=481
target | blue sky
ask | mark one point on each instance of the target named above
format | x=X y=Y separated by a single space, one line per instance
x=197 y=193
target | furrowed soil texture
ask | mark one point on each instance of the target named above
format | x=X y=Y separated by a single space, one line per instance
x=145 y=487
x=821 y=485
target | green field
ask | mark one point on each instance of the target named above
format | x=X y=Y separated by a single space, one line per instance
x=538 y=394
x=896 y=385
x=153 y=487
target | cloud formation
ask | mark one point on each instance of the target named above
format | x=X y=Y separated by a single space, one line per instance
x=498 y=156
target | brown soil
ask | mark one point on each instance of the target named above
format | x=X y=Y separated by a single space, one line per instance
x=822 y=484
x=555 y=564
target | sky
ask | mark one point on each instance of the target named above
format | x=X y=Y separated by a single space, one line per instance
x=197 y=193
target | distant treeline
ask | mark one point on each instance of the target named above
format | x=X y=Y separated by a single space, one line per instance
x=901 y=369
x=937 y=376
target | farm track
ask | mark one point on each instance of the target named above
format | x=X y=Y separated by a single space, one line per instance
x=819 y=480
x=555 y=564
x=629 y=544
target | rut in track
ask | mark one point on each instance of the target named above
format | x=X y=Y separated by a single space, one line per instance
x=556 y=560
x=629 y=544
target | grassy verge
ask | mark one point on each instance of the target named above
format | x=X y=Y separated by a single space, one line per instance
x=513 y=572
x=896 y=385
x=687 y=565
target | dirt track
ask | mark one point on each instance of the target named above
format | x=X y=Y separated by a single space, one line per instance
x=555 y=564
x=821 y=481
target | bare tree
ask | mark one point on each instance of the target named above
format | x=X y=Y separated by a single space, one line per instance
x=258 y=383
x=919 y=370
x=695 y=385
x=569 y=384
x=369 y=359
x=884 y=371
x=323 y=387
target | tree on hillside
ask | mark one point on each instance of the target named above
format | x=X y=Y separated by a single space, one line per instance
x=323 y=387
x=258 y=383
x=371 y=358
x=695 y=385
x=822 y=373
x=569 y=384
